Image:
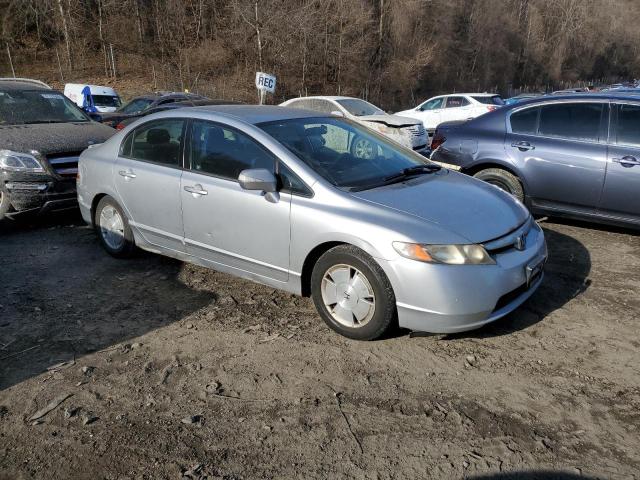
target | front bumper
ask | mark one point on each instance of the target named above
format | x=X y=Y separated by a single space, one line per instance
x=34 y=193
x=457 y=298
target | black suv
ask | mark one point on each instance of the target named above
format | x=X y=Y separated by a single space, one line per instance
x=139 y=105
x=42 y=134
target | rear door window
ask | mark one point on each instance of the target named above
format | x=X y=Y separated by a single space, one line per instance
x=573 y=121
x=455 y=102
x=525 y=121
x=628 y=128
x=158 y=142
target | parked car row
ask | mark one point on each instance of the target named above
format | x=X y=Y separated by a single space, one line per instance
x=330 y=196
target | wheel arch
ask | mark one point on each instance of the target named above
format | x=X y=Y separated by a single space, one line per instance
x=485 y=164
x=94 y=206
x=310 y=261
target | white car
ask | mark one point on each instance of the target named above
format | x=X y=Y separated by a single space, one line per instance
x=404 y=130
x=459 y=106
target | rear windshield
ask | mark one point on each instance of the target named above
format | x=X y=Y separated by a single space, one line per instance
x=495 y=100
x=20 y=107
x=106 y=101
x=359 y=108
x=137 y=105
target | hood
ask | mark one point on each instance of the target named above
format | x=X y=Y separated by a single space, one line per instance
x=50 y=138
x=390 y=120
x=467 y=207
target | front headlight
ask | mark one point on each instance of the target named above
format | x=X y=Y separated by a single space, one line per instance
x=19 y=162
x=448 y=254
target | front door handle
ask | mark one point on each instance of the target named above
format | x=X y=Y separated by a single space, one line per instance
x=127 y=174
x=523 y=146
x=627 y=161
x=196 y=190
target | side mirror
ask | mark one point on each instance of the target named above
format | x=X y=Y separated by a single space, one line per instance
x=258 y=179
x=337 y=113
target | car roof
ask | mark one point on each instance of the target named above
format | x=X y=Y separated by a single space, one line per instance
x=327 y=97
x=578 y=96
x=22 y=84
x=257 y=113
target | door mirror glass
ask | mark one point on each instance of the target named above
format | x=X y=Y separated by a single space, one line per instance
x=258 y=179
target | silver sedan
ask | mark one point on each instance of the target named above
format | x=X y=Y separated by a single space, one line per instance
x=275 y=195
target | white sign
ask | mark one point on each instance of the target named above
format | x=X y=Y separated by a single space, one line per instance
x=265 y=82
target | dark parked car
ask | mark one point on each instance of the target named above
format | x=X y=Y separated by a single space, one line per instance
x=172 y=106
x=576 y=155
x=42 y=134
x=143 y=103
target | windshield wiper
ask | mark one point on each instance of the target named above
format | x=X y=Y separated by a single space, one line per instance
x=397 y=177
x=411 y=172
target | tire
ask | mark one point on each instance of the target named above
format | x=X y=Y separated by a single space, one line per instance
x=113 y=229
x=352 y=293
x=5 y=203
x=504 y=180
x=362 y=148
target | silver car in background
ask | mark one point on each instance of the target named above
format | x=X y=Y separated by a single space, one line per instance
x=407 y=131
x=275 y=195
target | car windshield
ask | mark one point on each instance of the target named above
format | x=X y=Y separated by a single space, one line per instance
x=359 y=108
x=343 y=152
x=494 y=100
x=136 y=106
x=19 y=107
x=106 y=101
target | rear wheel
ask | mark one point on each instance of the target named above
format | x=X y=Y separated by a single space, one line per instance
x=352 y=293
x=362 y=148
x=113 y=228
x=502 y=179
x=5 y=203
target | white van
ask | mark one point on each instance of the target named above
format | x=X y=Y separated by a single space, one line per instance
x=93 y=98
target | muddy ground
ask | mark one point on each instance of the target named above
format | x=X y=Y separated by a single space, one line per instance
x=168 y=370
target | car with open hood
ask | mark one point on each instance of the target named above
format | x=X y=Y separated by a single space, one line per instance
x=406 y=131
x=41 y=136
x=276 y=195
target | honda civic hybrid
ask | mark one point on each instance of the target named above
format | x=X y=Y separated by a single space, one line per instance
x=275 y=195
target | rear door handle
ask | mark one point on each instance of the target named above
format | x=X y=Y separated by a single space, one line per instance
x=196 y=190
x=127 y=174
x=627 y=161
x=523 y=146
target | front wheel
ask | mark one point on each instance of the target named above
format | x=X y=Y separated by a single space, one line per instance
x=503 y=180
x=113 y=228
x=352 y=293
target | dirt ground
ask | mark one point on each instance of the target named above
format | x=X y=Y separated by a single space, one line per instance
x=166 y=370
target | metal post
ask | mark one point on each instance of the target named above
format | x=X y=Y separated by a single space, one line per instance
x=11 y=61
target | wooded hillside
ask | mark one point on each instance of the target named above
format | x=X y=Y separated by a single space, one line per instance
x=392 y=52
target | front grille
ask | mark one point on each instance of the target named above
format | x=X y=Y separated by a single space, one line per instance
x=64 y=164
x=416 y=130
x=507 y=298
x=509 y=242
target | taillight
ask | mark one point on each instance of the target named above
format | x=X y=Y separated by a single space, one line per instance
x=491 y=108
x=438 y=139
x=120 y=126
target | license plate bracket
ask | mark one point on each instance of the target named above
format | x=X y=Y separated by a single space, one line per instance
x=534 y=270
